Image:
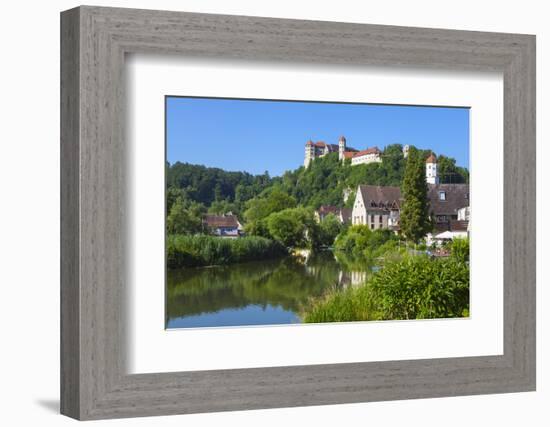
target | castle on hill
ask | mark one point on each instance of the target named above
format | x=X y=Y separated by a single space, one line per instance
x=359 y=157
x=321 y=149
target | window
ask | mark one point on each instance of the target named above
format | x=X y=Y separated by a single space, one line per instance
x=372 y=226
x=372 y=218
x=380 y=219
x=380 y=225
x=442 y=195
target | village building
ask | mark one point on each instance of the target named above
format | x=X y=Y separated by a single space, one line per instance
x=318 y=149
x=343 y=214
x=464 y=214
x=376 y=206
x=314 y=150
x=226 y=225
x=379 y=206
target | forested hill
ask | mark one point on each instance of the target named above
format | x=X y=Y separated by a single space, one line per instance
x=322 y=183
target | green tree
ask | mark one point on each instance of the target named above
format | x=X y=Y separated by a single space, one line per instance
x=184 y=218
x=272 y=201
x=414 y=219
x=449 y=172
x=294 y=227
x=221 y=207
x=330 y=227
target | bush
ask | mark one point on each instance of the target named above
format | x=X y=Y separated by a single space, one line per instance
x=460 y=249
x=361 y=241
x=412 y=288
x=202 y=250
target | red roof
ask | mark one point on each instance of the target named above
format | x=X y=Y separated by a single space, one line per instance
x=372 y=150
x=221 y=221
x=325 y=209
x=431 y=158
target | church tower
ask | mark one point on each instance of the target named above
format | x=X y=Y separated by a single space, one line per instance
x=341 y=147
x=431 y=170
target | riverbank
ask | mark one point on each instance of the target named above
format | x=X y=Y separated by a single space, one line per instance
x=414 y=287
x=202 y=250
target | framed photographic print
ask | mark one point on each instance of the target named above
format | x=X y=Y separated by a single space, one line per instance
x=262 y=213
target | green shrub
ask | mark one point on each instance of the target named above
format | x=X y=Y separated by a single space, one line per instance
x=361 y=241
x=414 y=287
x=460 y=249
x=202 y=250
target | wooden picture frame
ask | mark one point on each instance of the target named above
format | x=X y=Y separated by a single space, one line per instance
x=94 y=41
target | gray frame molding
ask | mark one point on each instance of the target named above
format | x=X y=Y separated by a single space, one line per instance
x=94 y=41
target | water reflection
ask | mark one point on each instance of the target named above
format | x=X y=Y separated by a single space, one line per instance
x=256 y=293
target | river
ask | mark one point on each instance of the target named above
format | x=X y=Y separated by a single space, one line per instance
x=269 y=292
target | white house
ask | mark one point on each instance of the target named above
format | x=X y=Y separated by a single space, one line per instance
x=376 y=206
x=226 y=225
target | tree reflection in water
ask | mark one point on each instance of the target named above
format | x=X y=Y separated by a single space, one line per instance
x=256 y=293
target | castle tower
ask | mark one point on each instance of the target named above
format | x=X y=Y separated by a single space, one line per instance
x=431 y=170
x=309 y=154
x=341 y=147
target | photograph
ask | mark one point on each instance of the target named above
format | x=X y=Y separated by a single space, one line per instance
x=294 y=212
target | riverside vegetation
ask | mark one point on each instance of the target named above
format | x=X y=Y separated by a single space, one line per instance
x=410 y=287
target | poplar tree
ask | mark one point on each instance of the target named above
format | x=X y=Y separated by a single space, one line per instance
x=415 y=222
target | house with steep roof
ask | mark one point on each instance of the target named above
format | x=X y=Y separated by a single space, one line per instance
x=343 y=214
x=226 y=225
x=376 y=206
x=447 y=201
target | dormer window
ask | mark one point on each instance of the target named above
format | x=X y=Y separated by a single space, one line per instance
x=442 y=195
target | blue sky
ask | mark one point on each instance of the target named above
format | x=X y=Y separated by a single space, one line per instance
x=255 y=136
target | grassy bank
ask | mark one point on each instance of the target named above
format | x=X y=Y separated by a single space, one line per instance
x=202 y=250
x=415 y=287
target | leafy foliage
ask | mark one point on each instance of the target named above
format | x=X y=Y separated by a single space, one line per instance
x=295 y=227
x=450 y=173
x=184 y=217
x=361 y=241
x=206 y=185
x=329 y=228
x=460 y=249
x=414 y=287
x=201 y=250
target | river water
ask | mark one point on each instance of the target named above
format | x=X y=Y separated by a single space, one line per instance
x=270 y=292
